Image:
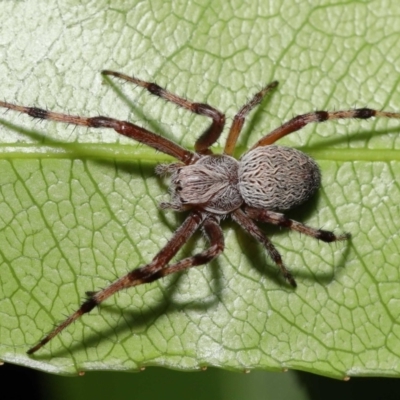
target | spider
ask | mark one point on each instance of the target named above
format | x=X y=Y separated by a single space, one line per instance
x=265 y=181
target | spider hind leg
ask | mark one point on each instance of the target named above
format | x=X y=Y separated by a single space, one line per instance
x=278 y=219
x=249 y=226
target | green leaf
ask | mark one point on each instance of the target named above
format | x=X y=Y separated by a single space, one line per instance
x=79 y=207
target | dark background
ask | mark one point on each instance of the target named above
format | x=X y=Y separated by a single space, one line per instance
x=159 y=383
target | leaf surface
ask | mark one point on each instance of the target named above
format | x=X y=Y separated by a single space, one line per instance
x=78 y=207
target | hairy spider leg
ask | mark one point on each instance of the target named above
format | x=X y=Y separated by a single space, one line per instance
x=279 y=219
x=123 y=127
x=156 y=269
x=239 y=118
x=210 y=136
x=301 y=121
x=249 y=226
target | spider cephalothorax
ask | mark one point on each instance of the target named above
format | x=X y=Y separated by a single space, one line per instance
x=210 y=184
x=267 y=179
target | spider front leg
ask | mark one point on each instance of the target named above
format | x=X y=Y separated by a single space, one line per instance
x=138 y=276
x=156 y=269
x=301 y=121
x=210 y=136
x=214 y=234
x=123 y=127
x=275 y=218
x=248 y=225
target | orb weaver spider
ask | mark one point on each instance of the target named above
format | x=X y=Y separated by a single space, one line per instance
x=266 y=180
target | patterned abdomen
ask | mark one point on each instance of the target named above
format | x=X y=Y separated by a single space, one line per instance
x=277 y=177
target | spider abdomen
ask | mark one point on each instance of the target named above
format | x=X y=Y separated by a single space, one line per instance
x=277 y=177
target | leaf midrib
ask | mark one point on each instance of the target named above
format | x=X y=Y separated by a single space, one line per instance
x=121 y=152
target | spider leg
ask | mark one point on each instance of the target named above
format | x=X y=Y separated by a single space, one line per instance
x=300 y=121
x=123 y=127
x=215 y=236
x=239 y=118
x=210 y=136
x=279 y=219
x=136 y=276
x=248 y=225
